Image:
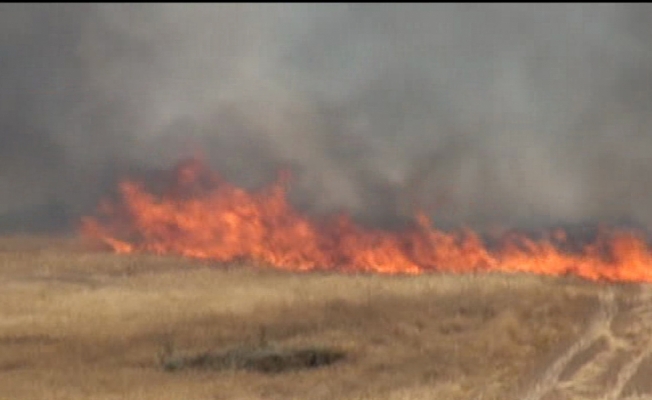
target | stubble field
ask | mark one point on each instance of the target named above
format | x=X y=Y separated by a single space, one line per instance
x=77 y=324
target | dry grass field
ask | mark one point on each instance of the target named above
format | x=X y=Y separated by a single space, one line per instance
x=76 y=324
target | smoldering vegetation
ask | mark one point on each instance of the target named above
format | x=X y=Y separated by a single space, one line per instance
x=516 y=115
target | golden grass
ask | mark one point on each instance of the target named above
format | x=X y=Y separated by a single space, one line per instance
x=81 y=325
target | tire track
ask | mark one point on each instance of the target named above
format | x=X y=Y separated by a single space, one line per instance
x=607 y=373
x=601 y=321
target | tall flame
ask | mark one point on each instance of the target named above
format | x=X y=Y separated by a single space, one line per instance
x=202 y=216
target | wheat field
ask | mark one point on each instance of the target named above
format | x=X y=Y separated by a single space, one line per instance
x=82 y=324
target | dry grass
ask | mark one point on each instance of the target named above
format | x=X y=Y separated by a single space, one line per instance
x=81 y=325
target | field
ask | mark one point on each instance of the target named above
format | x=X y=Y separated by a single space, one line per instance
x=77 y=324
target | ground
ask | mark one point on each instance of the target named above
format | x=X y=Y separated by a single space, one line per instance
x=79 y=324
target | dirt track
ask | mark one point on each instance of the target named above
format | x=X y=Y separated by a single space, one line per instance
x=611 y=360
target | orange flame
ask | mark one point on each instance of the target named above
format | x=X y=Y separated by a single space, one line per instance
x=202 y=216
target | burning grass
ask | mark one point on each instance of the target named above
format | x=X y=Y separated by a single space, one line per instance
x=199 y=215
x=80 y=325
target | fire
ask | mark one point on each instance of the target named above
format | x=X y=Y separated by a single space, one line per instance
x=202 y=216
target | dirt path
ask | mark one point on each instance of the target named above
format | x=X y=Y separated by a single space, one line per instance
x=612 y=360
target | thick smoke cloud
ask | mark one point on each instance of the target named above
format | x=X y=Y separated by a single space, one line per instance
x=512 y=114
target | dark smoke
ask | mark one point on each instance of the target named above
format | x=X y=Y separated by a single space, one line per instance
x=484 y=114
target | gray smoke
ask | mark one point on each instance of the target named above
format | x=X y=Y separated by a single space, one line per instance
x=484 y=114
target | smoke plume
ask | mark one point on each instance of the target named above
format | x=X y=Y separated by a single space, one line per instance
x=484 y=114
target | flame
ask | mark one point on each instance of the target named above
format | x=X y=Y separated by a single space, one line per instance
x=202 y=216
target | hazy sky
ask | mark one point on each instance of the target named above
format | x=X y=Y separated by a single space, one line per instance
x=514 y=114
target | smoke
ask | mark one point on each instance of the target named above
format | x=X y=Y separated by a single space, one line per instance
x=482 y=114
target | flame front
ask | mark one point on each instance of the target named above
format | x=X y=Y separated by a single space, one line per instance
x=202 y=216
